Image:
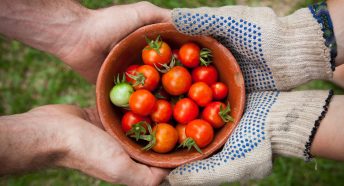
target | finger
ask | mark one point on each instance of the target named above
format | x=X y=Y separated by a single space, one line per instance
x=136 y=14
x=88 y=114
x=91 y=115
x=197 y=21
x=155 y=15
x=221 y=22
x=146 y=175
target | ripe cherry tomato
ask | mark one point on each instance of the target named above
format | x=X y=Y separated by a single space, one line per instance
x=189 y=54
x=217 y=114
x=142 y=102
x=130 y=118
x=200 y=131
x=201 y=93
x=219 y=90
x=146 y=77
x=177 y=81
x=150 y=56
x=162 y=111
x=185 y=111
x=181 y=132
x=206 y=74
x=166 y=137
x=130 y=71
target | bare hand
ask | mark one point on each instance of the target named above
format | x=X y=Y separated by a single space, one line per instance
x=102 y=29
x=67 y=136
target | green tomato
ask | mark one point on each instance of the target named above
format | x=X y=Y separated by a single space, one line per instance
x=120 y=94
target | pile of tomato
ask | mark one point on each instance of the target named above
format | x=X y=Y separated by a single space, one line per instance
x=173 y=97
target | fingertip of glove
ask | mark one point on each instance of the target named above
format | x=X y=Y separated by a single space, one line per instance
x=176 y=16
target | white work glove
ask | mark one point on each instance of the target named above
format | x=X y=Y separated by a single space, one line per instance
x=274 y=54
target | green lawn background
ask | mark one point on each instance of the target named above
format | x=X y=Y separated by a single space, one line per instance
x=30 y=78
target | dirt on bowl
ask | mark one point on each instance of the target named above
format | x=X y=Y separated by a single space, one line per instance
x=128 y=52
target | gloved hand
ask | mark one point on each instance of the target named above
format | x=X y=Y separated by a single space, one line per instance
x=274 y=54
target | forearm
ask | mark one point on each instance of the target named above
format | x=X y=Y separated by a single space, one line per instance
x=26 y=145
x=43 y=24
x=329 y=139
x=336 y=9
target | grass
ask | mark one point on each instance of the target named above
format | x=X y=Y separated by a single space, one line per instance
x=29 y=78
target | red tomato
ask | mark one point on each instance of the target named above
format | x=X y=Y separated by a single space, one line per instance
x=177 y=81
x=146 y=77
x=166 y=137
x=162 y=111
x=206 y=74
x=189 y=54
x=130 y=118
x=142 y=102
x=201 y=93
x=185 y=111
x=200 y=131
x=131 y=70
x=150 y=56
x=216 y=114
x=181 y=133
x=219 y=90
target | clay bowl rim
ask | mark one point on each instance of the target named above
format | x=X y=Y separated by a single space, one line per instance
x=144 y=157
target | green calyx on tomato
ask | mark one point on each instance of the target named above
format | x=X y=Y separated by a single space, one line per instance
x=189 y=143
x=165 y=68
x=137 y=130
x=120 y=93
x=150 y=138
x=224 y=113
x=139 y=78
x=205 y=57
x=137 y=134
x=154 y=44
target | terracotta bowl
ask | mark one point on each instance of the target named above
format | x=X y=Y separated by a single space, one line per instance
x=128 y=52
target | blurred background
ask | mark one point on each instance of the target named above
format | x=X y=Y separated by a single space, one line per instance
x=30 y=78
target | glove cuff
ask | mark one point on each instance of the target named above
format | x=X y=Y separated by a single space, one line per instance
x=294 y=120
x=322 y=15
x=298 y=52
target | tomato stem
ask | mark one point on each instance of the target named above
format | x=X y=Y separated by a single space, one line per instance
x=224 y=113
x=117 y=79
x=189 y=143
x=137 y=130
x=138 y=77
x=205 y=56
x=150 y=137
x=165 y=68
x=155 y=45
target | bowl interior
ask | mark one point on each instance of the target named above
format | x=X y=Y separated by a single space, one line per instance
x=128 y=52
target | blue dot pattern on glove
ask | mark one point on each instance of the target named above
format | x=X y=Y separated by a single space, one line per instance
x=242 y=37
x=246 y=137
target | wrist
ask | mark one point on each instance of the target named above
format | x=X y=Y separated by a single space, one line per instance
x=69 y=36
x=29 y=142
x=294 y=119
x=45 y=25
